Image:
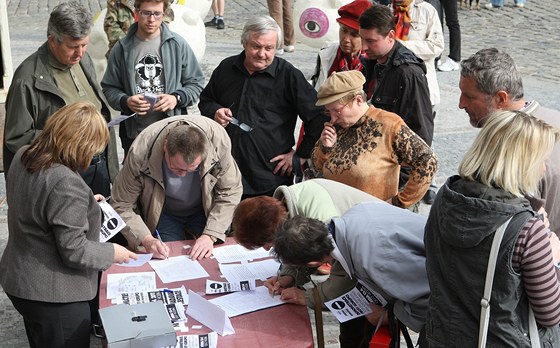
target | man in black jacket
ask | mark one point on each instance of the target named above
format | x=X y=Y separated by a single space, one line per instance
x=395 y=77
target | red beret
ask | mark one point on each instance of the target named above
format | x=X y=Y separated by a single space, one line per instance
x=350 y=13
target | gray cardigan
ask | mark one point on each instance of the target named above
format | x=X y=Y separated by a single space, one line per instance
x=53 y=252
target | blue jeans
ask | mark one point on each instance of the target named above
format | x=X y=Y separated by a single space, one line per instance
x=172 y=228
x=500 y=3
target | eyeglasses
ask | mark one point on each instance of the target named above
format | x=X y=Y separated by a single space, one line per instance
x=339 y=111
x=243 y=126
x=180 y=168
x=147 y=14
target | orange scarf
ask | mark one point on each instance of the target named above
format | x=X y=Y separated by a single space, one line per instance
x=402 y=18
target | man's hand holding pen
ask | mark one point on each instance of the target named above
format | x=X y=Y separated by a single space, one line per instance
x=277 y=284
x=155 y=246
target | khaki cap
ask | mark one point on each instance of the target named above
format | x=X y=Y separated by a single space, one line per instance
x=340 y=84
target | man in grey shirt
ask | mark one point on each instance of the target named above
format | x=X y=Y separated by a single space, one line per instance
x=490 y=82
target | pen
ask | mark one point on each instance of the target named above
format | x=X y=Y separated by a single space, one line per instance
x=276 y=285
x=159 y=238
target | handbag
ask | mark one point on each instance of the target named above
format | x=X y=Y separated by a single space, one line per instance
x=485 y=301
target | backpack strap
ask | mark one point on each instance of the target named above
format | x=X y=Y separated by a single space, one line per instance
x=396 y=327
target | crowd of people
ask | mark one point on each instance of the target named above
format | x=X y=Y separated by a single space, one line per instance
x=364 y=154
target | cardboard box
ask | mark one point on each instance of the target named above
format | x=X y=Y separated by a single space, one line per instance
x=144 y=325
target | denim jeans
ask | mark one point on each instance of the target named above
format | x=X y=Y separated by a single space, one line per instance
x=500 y=3
x=172 y=228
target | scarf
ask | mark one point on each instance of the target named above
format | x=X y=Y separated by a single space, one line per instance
x=341 y=62
x=402 y=18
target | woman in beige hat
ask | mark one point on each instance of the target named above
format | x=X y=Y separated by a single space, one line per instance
x=364 y=147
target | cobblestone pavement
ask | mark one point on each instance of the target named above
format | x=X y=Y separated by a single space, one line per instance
x=530 y=35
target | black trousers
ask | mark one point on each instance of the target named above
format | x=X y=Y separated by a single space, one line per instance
x=452 y=22
x=356 y=333
x=54 y=324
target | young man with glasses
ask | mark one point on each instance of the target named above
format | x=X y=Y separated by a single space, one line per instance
x=180 y=179
x=152 y=72
x=120 y=16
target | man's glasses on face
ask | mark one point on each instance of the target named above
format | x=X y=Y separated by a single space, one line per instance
x=148 y=14
x=181 y=172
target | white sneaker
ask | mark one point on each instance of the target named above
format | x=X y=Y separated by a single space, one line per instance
x=289 y=48
x=489 y=6
x=279 y=52
x=449 y=65
x=520 y=5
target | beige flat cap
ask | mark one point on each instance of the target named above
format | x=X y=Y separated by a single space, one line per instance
x=338 y=85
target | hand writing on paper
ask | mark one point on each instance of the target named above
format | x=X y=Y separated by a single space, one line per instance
x=158 y=248
x=293 y=295
x=202 y=247
x=275 y=285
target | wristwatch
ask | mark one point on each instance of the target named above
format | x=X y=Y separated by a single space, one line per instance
x=178 y=97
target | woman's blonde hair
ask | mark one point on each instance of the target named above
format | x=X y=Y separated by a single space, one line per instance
x=71 y=137
x=509 y=152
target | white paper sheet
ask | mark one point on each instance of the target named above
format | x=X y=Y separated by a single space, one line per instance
x=209 y=314
x=242 y=302
x=234 y=273
x=142 y=259
x=214 y=287
x=112 y=222
x=237 y=253
x=355 y=303
x=178 y=268
x=118 y=283
x=119 y=119
x=167 y=296
x=198 y=341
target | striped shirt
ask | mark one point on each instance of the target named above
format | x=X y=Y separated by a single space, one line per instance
x=532 y=257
